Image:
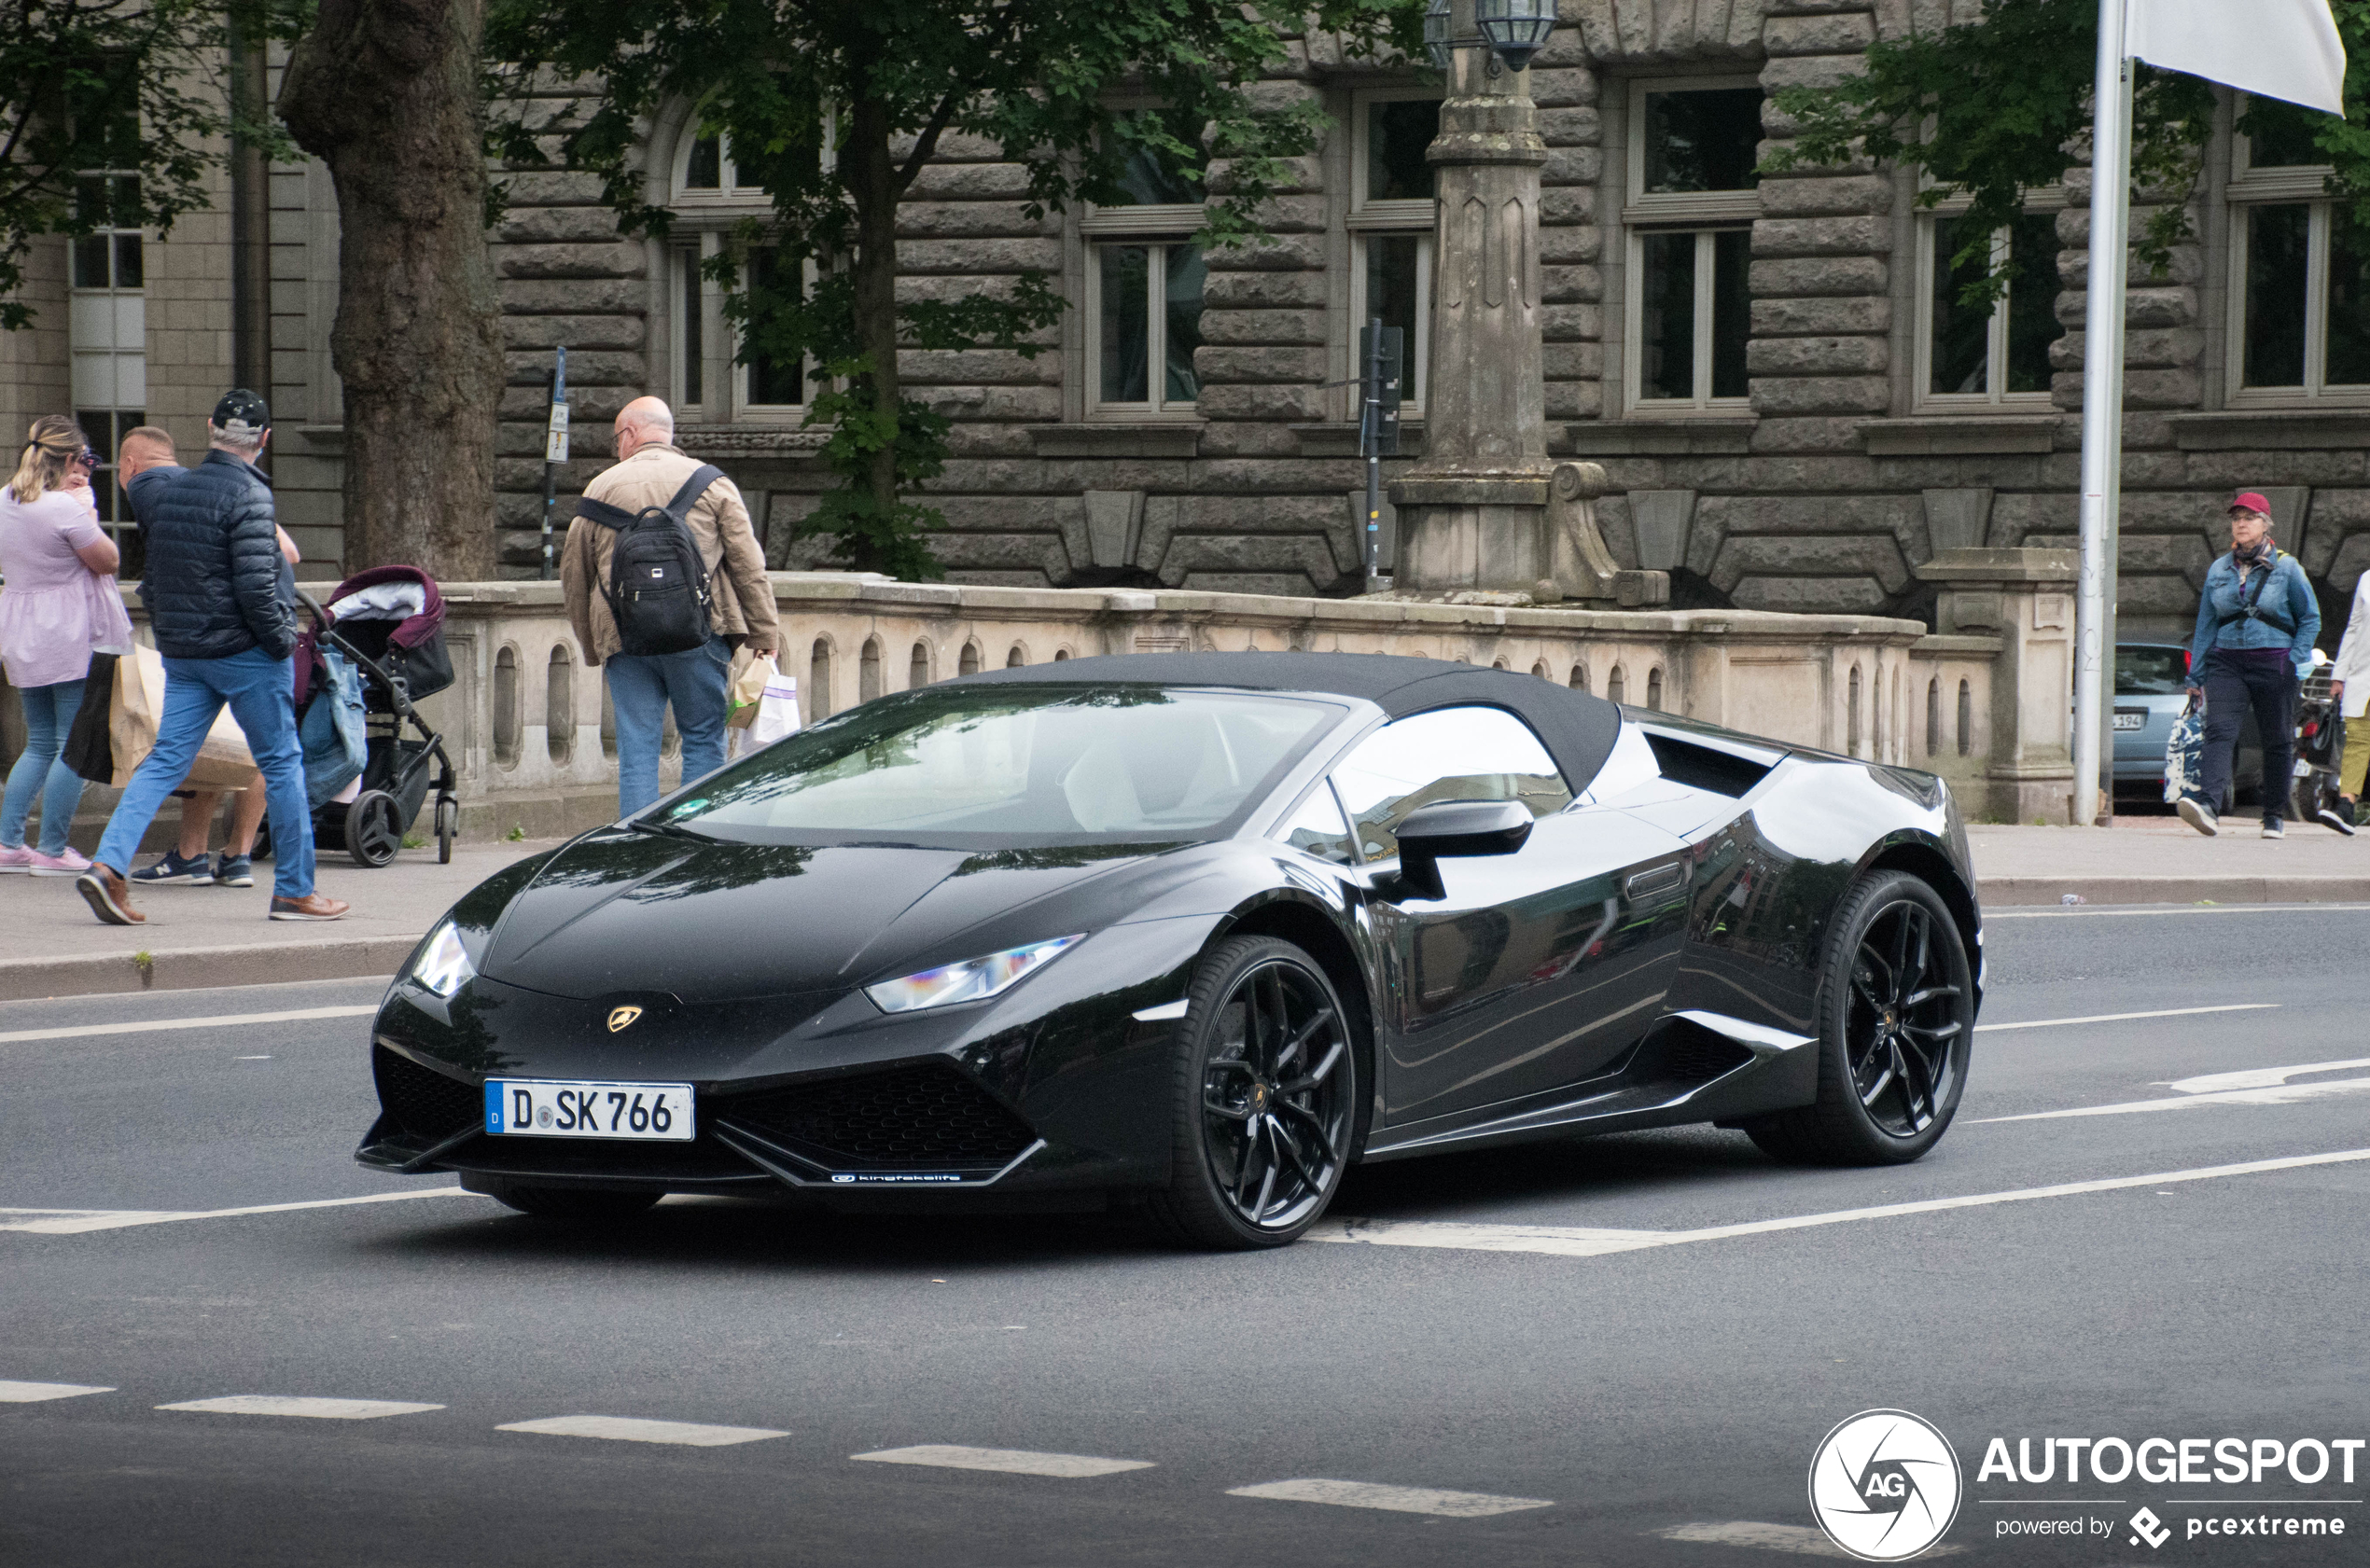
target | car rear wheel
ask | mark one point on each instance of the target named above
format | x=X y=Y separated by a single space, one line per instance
x=561 y=1203
x=1266 y=1098
x=1897 y=1014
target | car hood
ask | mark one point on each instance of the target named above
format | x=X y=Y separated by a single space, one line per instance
x=627 y=911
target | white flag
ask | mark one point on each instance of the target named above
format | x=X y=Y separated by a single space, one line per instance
x=2280 y=48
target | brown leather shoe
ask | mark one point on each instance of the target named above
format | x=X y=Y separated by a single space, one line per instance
x=109 y=896
x=312 y=905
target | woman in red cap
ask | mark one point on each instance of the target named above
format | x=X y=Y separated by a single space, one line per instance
x=2256 y=623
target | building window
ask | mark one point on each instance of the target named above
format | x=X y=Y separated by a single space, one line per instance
x=1144 y=282
x=2300 y=281
x=1992 y=356
x=1692 y=196
x=108 y=337
x=1392 y=220
x=709 y=200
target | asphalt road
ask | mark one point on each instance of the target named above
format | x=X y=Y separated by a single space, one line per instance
x=1663 y=1400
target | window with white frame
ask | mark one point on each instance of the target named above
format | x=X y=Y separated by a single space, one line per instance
x=107 y=336
x=1392 y=219
x=1995 y=355
x=1144 y=282
x=710 y=200
x=1692 y=194
x=2299 y=279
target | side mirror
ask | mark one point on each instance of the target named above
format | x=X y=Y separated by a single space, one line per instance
x=1456 y=829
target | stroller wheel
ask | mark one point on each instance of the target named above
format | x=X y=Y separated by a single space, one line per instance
x=448 y=823
x=373 y=828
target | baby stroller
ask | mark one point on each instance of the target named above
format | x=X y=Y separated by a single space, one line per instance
x=389 y=623
x=2321 y=746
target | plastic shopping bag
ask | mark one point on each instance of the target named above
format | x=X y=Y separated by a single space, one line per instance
x=2185 y=753
x=774 y=714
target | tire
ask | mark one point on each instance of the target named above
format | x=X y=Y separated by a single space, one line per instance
x=448 y=819
x=571 y=1203
x=1887 y=1089
x=1266 y=1094
x=373 y=828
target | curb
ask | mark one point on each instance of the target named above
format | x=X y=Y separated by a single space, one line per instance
x=195 y=968
x=2012 y=892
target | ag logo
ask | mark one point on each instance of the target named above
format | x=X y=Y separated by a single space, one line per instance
x=620 y=1017
x=1885 y=1486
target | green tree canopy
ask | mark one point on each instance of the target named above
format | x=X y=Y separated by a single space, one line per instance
x=834 y=106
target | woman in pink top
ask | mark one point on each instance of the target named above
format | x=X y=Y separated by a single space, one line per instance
x=60 y=604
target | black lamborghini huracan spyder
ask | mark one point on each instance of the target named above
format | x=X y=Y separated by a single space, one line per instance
x=1193 y=932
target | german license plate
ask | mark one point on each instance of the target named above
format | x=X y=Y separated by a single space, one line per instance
x=2137 y=720
x=553 y=1108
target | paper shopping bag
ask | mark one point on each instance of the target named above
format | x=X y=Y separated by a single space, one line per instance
x=223 y=759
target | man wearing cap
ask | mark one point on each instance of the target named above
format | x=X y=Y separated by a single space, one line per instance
x=221 y=603
x=2256 y=623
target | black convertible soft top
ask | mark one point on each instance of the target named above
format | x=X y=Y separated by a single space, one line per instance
x=1579 y=730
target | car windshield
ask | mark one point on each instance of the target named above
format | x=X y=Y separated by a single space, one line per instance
x=996 y=766
x=2146 y=671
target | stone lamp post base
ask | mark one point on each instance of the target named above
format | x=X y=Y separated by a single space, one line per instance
x=1512 y=538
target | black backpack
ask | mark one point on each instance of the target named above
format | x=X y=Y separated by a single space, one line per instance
x=658 y=588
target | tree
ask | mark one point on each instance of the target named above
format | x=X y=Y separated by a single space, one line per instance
x=118 y=85
x=835 y=105
x=1991 y=108
x=388 y=94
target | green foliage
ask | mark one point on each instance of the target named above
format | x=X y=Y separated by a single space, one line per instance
x=1995 y=108
x=129 y=86
x=833 y=107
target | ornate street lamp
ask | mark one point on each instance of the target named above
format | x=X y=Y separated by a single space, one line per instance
x=1436 y=42
x=1517 y=29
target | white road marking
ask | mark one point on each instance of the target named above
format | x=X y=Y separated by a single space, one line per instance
x=2259 y=1078
x=227 y=1020
x=1017 y=1462
x=1564 y=1242
x=73 y=1222
x=1775 y=1538
x=32 y=1394
x=629 y=1430
x=2118 y=1018
x=2277 y=1094
x=1396 y=1499
x=293 y=1405
x=2096 y=910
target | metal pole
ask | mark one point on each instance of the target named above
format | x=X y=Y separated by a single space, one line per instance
x=555 y=449
x=1370 y=441
x=2102 y=411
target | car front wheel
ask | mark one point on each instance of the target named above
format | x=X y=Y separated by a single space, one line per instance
x=1266 y=1098
x=1897 y=1015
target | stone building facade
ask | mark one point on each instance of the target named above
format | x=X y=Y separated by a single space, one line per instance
x=1793 y=411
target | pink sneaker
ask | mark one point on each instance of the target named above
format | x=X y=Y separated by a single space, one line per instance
x=68 y=864
x=18 y=860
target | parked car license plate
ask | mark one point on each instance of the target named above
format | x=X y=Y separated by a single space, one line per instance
x=551 y=1108
x=2134 y=720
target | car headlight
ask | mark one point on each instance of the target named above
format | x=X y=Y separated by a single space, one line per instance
x=443 y=964
x=974 y=979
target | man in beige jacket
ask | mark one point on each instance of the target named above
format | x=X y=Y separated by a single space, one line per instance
x=648 y=473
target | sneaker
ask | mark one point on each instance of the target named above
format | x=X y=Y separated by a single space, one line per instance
x=2336 y=814
x=312 y=905
x=2199 y=815
x=173 y=871
x=234 y=870
x=2274 y=829
x=18 y=860
x=109 y=896
x=67 y=862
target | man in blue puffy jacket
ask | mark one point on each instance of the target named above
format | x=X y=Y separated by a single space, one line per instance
x=223 y=621
x=2256 y=623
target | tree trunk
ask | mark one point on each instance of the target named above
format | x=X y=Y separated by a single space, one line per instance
x=872 y=182
x=385 y=92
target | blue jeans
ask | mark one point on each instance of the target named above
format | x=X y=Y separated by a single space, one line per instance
x=49 y=715
x=261 y=692
x=640 y=688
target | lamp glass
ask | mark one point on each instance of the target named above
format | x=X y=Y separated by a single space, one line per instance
x=1517 y=29
x=1436 y=33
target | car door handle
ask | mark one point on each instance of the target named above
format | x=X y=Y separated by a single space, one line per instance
x=1656 y=878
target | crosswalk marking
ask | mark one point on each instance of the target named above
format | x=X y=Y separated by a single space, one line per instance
x=1775 y=1537
x=2120 y=1017
x=1561 y=1240
x=225 y=1021
x=296 y=1404
x=1396 y=1499
x=630 y=1430
x=75 y=1222
x=2270 y=1094
x=1017 y=1462
x=32 y=1394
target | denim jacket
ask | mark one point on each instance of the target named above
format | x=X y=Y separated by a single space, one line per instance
x=2223 y=621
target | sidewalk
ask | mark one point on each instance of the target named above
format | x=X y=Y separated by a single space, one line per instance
x=211 y=936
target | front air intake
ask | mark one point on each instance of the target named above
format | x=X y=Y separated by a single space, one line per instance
x=422 y=1100
x=918 y=1117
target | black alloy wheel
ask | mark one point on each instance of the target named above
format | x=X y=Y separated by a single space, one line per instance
x=373 y=828
x=1267 y=1097
x=1897 y=1008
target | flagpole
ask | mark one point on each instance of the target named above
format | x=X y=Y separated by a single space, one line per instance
x=2101 y=414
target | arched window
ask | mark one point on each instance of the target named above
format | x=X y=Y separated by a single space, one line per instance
x=971 y=660
x=819 y=681
x=1654 y=688
x=1015 y=659
x=1580 y=677
x=1540 y=670
x=917 y=672
x=1616 y=687
x=868 y=671
x=708 y=200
